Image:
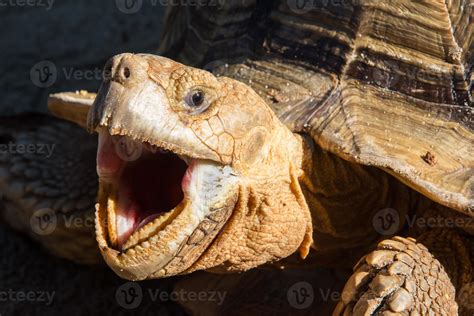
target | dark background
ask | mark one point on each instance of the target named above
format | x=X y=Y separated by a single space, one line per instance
x=76 y=36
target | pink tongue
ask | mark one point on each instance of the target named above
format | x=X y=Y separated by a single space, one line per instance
x=128 y=219
x=127 y=215
x=109 y=163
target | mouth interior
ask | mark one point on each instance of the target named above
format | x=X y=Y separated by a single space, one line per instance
x=151 y=186
x=146 y=181
x=144 y=189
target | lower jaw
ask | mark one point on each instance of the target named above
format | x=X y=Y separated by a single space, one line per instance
x=148 y=252
x=142 y=231
x=138 y=261
x=143 y=261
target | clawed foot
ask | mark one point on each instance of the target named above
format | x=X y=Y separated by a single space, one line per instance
x=400 y=277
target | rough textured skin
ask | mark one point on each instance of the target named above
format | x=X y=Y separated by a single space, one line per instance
x=441 y=252
x=377 y=83
x=269 y=219
x=344 y=226
x=48 y=187
x=270 y=233
x=387 y=84
x=453 y=250
x=400 y=276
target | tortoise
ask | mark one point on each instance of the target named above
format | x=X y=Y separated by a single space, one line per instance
x=338 y=130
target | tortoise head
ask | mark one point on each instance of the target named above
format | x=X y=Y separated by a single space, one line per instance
x=196 y=172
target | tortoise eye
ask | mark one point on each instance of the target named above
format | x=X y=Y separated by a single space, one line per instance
x=195 y=98
x=197 y=101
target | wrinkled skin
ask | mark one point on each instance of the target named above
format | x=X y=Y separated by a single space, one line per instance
x=255 y=215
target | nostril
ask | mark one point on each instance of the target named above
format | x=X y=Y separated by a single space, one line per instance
x=126 y=72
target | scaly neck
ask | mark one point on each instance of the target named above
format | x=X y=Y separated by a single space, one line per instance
x=343 y=199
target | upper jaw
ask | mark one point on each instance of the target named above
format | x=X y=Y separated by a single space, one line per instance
x=143 y=113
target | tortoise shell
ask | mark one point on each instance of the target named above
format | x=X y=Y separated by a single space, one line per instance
x=381 y=83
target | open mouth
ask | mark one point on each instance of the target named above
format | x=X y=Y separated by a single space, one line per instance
x=146 y=188
x=157 y=205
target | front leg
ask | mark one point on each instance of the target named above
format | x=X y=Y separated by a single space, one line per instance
x=48 y=184
x=402 y=277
